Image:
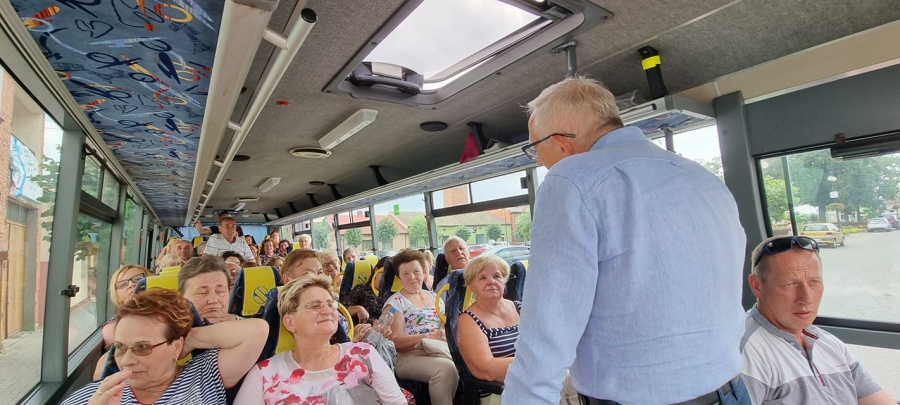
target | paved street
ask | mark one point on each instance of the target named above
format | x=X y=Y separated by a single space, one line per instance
x=862 y=279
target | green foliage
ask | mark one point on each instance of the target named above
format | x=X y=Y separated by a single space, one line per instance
x=418 y=231
x=353 y=238
x=386 y=231
x=523 y=227
x=714 y=166
x=776 y=198
x=320 y=233
x=494 y=232
x=463 y=232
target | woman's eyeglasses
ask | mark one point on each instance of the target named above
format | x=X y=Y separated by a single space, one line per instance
x=779 y=245
x=317 y=305
x=139 y=349
x=134 y=279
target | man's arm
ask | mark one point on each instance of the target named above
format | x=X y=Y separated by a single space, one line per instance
x=878 y=398
x=202 y=229
x=564 y=263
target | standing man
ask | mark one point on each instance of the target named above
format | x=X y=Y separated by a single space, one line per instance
x=212 y=230
x=228 y=239
x=634 y=281
x=787 y=360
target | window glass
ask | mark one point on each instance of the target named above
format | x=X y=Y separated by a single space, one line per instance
x=110 y=194
x=90 y=180
x=323 y=234
x=91 y=261
x=451 y=197
x=508 y=185
x=857 y=201
x=401 y=224
x=34 y=141
x=457 y=30
x=702 y=146
x=505 y=231
x=881 y=363
x=131 y=233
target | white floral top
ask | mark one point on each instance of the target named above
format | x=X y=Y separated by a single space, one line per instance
x=418 y=320
x=359 y=377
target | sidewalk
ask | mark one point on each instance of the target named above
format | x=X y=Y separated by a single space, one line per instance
x=20 y=365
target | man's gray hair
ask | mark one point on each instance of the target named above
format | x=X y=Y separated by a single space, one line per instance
x=456 y=239
x=576 y=105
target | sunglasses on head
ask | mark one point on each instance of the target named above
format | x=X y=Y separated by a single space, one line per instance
x=783 y=244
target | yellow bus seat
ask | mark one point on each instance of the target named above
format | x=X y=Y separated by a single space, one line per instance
x=197 y=241
x=170 y=270
x=250 y=289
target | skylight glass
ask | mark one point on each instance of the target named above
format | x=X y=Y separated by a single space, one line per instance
x=439 y=35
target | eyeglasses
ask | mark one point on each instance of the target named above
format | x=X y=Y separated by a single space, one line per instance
x=332 y=263
x=530 y=151
x=783 y=244
x=139 y=349
x=134 y=279
x=317 y=305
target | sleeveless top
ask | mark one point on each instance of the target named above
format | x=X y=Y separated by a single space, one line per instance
x=198 y=383
x=500 y=340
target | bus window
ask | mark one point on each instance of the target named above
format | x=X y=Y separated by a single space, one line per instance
x=91 y=261
x=702 y=146
x=846 y=199
x=35 y=141
x=406 y=216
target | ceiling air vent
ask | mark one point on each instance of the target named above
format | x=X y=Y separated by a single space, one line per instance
x=247 y=199
x=311 y=153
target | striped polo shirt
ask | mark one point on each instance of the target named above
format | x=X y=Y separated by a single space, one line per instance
x=776 y=369
x=198 y=384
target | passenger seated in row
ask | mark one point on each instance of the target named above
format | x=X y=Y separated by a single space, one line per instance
x=422 y=352
x=154 y=331
x=350 y=255
x=487 y=331
x=285 y=247
x=267 y=251
x=316 y=371
x=305 y=241
x=233 y=264
x=121 y=286
x=332 y=267
x=456 y=251
x=787 y=360
x=168 y=260
x=207 y=284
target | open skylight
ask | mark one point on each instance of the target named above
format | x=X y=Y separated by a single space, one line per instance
x=441 y=39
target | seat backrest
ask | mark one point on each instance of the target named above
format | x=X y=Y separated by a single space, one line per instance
x=441 y=267
x=197 y=241
x=356 y=273
x=453 y=306
x=295 y=245
x=372 y=259
x=524 y=263
x=170 y=270
x=515 y=285
x=250 y=290
x=167 y=281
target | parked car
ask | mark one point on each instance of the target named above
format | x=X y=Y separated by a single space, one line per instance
x=511 y=254
x=878 y=224
x=895 y=223
x=824 y=233
x=475 y=250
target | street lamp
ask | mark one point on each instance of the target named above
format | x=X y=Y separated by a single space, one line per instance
x=834 y=195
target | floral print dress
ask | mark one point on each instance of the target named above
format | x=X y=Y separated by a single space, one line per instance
x=418 y=320
x=359 y=377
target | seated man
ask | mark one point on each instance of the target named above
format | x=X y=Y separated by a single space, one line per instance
x=787 y=360
x=456 y=251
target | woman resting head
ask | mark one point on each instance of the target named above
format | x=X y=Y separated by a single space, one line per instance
x=154 y=331
x=206 y=283
x=121 y=285
x=316 y=371
x=422 y=352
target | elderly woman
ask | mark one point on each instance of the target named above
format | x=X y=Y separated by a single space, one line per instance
x=316 y=371
x=422 y=352
x=154 y=331
x=350 y=255
x=332 y=266
x=168 y=260
x=206 y=282
x=305 y=241
x=267 y=251
x=121 y=286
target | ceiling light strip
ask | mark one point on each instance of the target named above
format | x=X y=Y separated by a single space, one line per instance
x=295 y=38
x=240 y=34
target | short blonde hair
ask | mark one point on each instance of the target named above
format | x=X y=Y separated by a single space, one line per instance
x=112 y=281
x=326 y=255
x=289 y=296
x=296 y=257
x=479 y=263
x=170 y=260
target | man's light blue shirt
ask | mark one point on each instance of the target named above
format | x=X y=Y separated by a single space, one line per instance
x=634 y=280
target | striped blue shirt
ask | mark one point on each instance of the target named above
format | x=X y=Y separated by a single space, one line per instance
x=634 y=280
x=198 y=384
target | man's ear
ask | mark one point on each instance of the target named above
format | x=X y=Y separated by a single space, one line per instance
x=755 y=285
x=569 y=146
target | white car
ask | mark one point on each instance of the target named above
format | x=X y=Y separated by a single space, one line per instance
x=878 y=224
